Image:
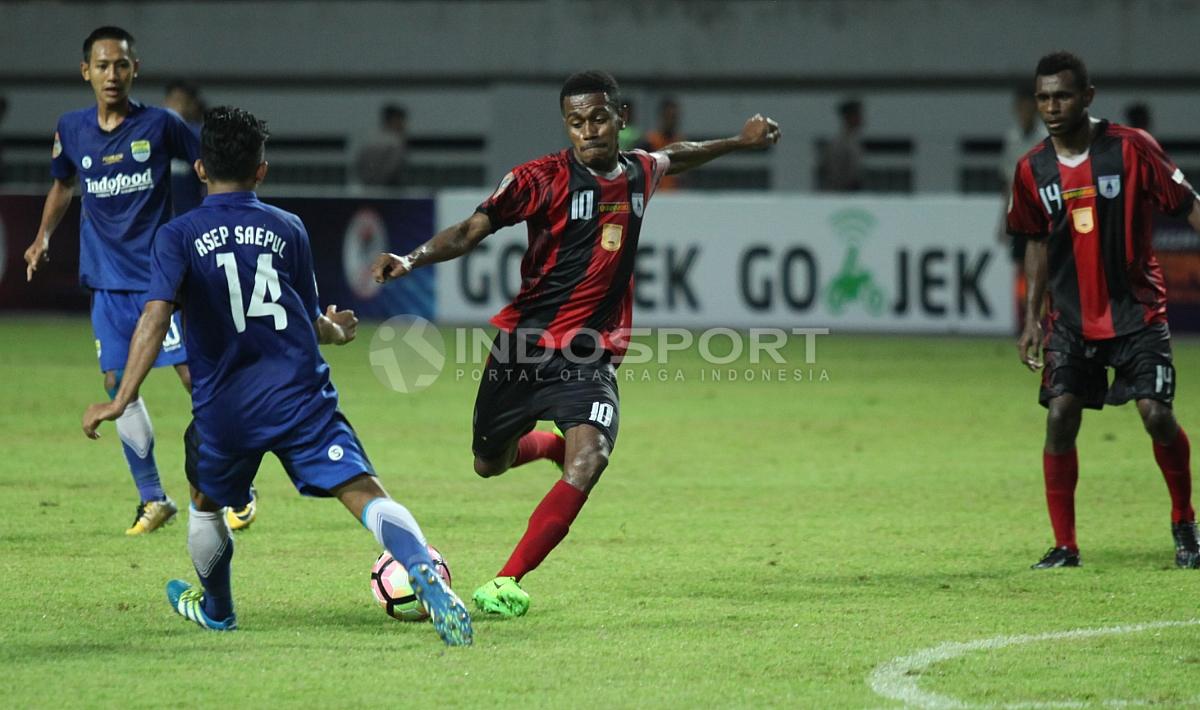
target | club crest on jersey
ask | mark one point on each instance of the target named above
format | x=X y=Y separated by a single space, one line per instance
x=1083 y=220
x=86 y=162
x=1110 y=185
x=639 y=204
x=57 y=149
x=140 y=150
x=610 y=237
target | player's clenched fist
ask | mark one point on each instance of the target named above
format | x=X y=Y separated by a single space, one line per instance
x=390 y=266
x=760 y=132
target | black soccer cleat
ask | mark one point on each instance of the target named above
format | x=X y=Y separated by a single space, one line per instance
x=1059 y=557
x=1187 y=549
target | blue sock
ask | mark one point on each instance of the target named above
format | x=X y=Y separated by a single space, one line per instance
x=137 y=441
x=211 y=548
x=396 y=529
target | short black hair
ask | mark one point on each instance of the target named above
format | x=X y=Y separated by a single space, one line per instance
x=231 y=143
x=592 y=81
x=106 y=32
x=188 y=88
x=1137 y=115
x=391 y=111
x=1055 y=62
x=849 y=107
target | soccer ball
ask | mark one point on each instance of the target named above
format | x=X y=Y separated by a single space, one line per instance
x=389 y=584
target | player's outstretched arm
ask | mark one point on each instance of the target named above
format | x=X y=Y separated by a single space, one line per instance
x=759 y=132
x=447 y=244
x=336 y=327
x=143 y=349
x=1029 y=345
x=58 y=199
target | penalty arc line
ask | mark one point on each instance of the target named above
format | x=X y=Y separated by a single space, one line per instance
x=898 y=678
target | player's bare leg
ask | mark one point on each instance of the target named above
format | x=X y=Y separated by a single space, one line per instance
x=211 y=548
x=532 y=446
x=136 y=433
x=1060 y=468
x=1172 y=451
x=396 y=529
x=587 y=452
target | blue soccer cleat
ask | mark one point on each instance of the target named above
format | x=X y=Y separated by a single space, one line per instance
x=188 y=602
x=446 y=611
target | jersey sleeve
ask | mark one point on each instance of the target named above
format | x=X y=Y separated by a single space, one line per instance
x=1163 y=181
x=62 y=167
x=305 y=277
x=520 y=195
x=168 y=266
x=661 y=164
x=182 y=143
x=1026 y=218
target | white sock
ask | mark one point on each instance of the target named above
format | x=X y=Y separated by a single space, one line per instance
x=134 y=428
x=208 y=536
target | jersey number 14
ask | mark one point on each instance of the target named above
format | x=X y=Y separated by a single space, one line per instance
x=266 y=282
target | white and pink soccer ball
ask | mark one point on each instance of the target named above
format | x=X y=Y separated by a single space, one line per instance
x=389 y=584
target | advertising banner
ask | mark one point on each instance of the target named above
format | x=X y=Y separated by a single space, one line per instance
x=882 y=264
x=346 y=235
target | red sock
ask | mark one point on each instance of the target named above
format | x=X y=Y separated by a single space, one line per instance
x=540 y=445
x=1061 y=472
x=547 y=527
x=1174 y=460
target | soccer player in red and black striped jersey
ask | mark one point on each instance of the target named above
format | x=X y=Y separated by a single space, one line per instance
x=1084 y=197
x=559 y=341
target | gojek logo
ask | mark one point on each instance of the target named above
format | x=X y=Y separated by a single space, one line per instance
x=853 y=283
x=120 y=184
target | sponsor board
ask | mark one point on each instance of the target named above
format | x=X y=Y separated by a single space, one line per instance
x=886 y=264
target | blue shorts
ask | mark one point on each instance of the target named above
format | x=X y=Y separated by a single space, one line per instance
x=316 y=465
x=114 y=318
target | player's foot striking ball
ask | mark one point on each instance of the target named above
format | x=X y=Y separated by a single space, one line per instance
x=502 y=596
x=152 y=515
x=1058 y=557
x=446 y=611
x=1187 y=549
x=188 y=602
x=564 y=334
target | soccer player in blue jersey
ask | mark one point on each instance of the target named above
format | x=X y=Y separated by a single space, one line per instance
x=121 y=151
x=242 y=272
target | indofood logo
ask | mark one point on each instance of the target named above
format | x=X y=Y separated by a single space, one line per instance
x=120 y=184
x=853 y=283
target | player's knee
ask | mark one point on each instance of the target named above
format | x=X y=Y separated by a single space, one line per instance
x=203 y=502
x=486 y=468
x=585 y=467
x=1159 y=420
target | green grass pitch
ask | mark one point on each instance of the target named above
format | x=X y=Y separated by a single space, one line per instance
x=751 y=544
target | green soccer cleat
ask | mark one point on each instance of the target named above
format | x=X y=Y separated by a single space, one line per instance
x=502 y=596
x=188 y=602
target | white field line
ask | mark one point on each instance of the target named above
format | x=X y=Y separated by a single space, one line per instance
x=898 y=678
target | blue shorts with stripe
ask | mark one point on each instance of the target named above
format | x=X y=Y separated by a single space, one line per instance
x=114 y=318
x=316 y=463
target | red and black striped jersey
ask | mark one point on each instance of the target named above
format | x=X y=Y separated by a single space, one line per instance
x=577 y=273
x=1095 y=212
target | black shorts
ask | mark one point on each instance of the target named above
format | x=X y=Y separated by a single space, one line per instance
x=1141 y=362
x=523 y=383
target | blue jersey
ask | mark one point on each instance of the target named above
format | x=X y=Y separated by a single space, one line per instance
x=242 y=272
x=125 y=184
